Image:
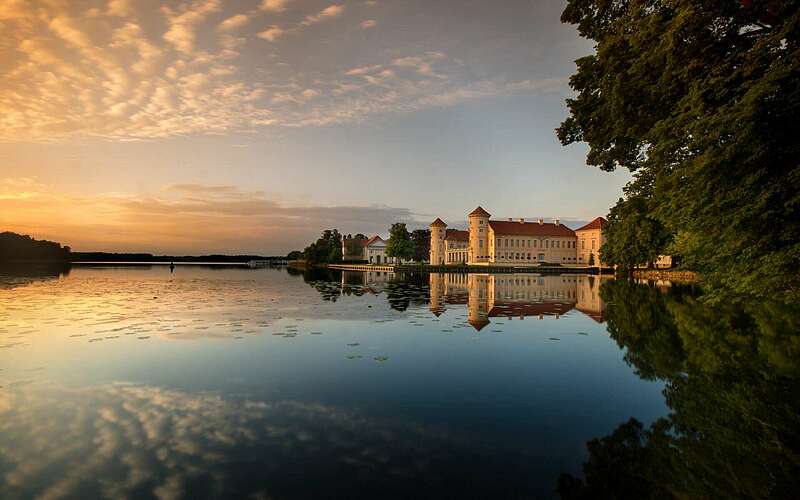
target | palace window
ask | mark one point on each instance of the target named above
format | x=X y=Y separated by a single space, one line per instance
x=583 y=244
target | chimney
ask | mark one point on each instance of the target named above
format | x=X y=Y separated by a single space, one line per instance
x=557 y=222
x=522 y=220
x=541 y=221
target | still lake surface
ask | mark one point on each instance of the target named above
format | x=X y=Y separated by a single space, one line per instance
x=226 y=382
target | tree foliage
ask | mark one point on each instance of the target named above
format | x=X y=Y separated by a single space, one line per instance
x=700 y=99
x=294 y=255
x=327 y=249
x=732 y=384
x=400 y=244
x=422 y=244
x=16 y=247
x=633 y=236
x=354 y=244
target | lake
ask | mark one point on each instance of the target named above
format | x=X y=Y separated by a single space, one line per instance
x=230 y=382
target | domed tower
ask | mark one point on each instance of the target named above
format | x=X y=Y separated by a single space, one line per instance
x=438 y=229
x=479 y=236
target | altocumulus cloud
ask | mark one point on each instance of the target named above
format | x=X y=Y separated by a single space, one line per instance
x=181 y=218
x=120 y=70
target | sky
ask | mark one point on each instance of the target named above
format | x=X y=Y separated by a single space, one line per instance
x=249 y=126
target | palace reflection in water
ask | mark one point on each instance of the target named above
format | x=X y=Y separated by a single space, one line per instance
x=516 y=295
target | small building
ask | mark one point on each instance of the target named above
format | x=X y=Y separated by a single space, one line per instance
x=372 y=251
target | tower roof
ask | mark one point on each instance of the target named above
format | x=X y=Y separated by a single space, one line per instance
x=478 y=323
x=438 y=222
x=479 y=212
x=597 y=223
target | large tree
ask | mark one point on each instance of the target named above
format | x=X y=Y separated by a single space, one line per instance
x=400 y=245
x=633 y=236
x=422 y=244
x=354 y=245
x=327 y=249
x=700 y=99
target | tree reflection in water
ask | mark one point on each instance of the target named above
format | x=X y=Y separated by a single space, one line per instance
x=731 y=376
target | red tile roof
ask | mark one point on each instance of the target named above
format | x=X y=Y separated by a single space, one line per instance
x=456 y=235
x=598 y=223
x=517 y=309
x=438 y=222
x=479 y=212
x=505 y=228
x=363 y=243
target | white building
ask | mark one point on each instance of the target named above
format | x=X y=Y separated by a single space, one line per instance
x=372 y=251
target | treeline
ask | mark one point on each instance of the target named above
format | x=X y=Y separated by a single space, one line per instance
x=22 y=248
x=402 y=244
x=147 y=257
x=700 y=101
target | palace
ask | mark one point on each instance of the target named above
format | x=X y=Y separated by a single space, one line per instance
x=516 y=242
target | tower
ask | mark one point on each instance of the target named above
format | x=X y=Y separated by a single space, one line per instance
x=438 y=229
x=478 y=236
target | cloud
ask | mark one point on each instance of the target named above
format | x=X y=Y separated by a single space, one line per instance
x=120 y=8
x=182 y=24
x=180 y=218
x=328 y=12
x=273 y=5
x=369 y=23
x=272 y=33
x=120 y=76
x=233 y=23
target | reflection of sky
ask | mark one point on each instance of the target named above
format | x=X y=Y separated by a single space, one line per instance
x=531 y=389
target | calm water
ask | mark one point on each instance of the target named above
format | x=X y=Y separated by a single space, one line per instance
x=230 y=382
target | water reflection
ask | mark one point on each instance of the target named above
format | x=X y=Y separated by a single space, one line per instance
x=732 y=386
x=519 y=296
x=12 y=276
x=125 y=441
x=364 y=385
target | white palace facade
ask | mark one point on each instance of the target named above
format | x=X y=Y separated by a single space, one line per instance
x=516 y=242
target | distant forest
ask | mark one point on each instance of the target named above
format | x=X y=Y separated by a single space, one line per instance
x=18 y=248
x=22 y=248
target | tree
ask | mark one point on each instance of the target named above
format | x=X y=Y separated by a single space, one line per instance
x=327 y=249
x=731 y=375
x=700 y=100
x=633 y=236
x=422 y=244
x=294 y=255
x=591 y=259
x=354 y=245
x=16 y=247
x=400 y=244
